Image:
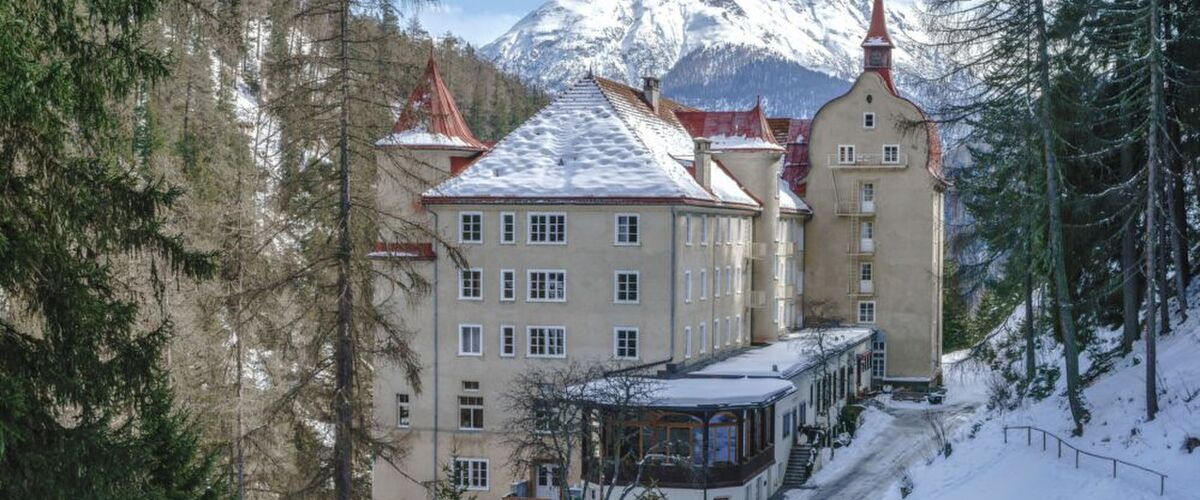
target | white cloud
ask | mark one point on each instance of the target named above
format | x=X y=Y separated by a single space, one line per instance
x=478 y=27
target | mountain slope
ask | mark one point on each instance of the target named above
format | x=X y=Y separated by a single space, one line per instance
x=712 y=53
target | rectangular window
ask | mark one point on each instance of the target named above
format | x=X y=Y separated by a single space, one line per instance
x=547 y=341
x=778 y=265
x=717 y=230
x=891 y=153
x=716 y=334
x=729 y=230
x=471 y=473
x=865 y=271
x=687 y=230
x=546 y=285
x=508 y=341
x=625 y=287
x=716 y=282
x=687 y=286
x=470 y=386
x=403 y=414
x=547 y=228
x=846 y=154
x=739 y=328
x=728 y=330
x=470 y=227
x=779 y=306
x=868 y=120
x=868 y=192
x=703 y=338
x=878 y=359
x=737 y=275
x=470 y=413
x=687 y=342
x=703 y=284
x=703 y=229
x=470 y=340
x=728 y=280
x=628 y=230
x=625 y=343
x=866 y=311
x=470 y=284
x=508 y=228
x=508 y=285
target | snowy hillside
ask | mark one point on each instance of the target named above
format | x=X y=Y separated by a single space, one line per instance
x=982 y=466
x=712 y=53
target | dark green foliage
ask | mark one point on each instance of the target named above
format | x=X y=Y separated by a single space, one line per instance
x=86 y=411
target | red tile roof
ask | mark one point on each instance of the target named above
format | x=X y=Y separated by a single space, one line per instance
x=751 y=123
x=877 y=34
x=431 y=109
x=404 y=251
x=793 y=134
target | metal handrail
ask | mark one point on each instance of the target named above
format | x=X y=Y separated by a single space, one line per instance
x=1162 y=478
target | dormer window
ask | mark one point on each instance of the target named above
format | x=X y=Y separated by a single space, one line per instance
x=869 y=120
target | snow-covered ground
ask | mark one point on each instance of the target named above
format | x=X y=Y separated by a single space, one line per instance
x=982 y=466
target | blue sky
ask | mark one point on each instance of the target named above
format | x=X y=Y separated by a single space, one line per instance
x=476 y=21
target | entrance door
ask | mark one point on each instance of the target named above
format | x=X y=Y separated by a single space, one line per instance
x=548 y=481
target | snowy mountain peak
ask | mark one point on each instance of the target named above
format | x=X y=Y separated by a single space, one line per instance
x=708 y=50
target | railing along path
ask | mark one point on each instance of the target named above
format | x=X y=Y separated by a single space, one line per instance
x=1162 y=478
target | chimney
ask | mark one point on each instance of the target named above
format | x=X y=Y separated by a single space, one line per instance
x=651 y=92
x=702 y=160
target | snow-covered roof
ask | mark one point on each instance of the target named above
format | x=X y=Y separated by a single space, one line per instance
x=596 y=140
x=789 y=356
x=430 y=118
x=710 y=392
x=789 y=201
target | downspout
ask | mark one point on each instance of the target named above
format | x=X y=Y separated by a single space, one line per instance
x=674 y=275
x=436 y=350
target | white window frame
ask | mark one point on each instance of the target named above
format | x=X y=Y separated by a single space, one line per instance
x=716 y=282
x=508 y=341
x=884 y=156
x=637 y=286
x=462 y=330
x=548 y=272
x=463 y=468
x=728 y=231
x=728 y=330
x=866 y=271
x=507 y=220
x=637 y=230
x=729 y=280
x=703 y=230
x=716 y=230
x=703 y=337
x=864 y=305
x=687 y=287
x=687 y=342
x=716 y=334
x=462 y=276
x=508 y=285
x=878 y=359
x=529 y=233
x=618 y=341
x=739 y=329
x=687 y=230
x=870 y=115
x=703 y=284
x=529 y=330
x=737 y=276
x=847 y=154
x=462 y=228
x=403 y=411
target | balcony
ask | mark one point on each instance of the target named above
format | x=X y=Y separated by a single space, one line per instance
x=691 y=476
x=858 y=208
x=865 y=161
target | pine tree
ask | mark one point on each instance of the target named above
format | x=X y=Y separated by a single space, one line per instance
x=84 y=248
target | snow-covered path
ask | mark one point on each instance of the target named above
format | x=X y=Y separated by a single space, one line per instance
x=867 y=468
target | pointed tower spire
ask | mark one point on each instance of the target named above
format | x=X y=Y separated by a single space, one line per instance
x=430 y=118
x=877 y=46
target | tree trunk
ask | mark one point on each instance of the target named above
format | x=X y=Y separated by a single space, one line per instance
x=1058 y=258
x=1153 y=158
x=1030 y=354
x=1129 y=266
x=343 y=357
x=1164 y=312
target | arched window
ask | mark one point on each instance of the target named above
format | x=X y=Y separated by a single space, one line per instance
x=722 y=439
